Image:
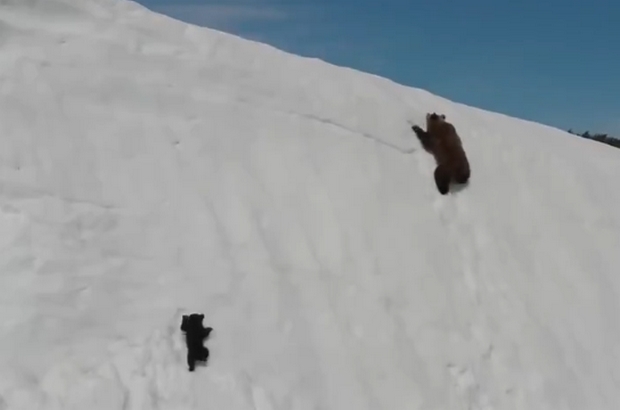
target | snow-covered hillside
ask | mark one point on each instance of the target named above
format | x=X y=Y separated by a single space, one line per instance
x=150 y=169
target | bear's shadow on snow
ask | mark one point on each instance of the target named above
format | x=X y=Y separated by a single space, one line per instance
x=456 y=188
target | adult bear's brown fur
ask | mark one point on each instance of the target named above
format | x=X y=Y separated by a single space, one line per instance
x=442 y=140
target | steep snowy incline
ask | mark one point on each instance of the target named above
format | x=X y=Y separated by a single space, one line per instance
x=150 y=169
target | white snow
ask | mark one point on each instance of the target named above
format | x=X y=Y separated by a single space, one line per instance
x=149 y=169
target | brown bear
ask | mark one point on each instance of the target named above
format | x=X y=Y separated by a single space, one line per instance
x=442 y=140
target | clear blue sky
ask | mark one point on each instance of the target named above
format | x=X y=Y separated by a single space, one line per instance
x=552 y=61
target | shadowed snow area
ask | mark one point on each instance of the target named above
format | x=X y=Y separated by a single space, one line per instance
x=149 y=169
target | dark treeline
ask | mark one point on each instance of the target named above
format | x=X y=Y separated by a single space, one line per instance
x=604 y=138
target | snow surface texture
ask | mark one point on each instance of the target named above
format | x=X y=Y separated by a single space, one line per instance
x=150 y=168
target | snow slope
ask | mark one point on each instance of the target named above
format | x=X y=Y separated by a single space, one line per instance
x=149 y=169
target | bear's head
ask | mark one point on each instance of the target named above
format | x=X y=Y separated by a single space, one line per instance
x=435 y=117
x=434 y=120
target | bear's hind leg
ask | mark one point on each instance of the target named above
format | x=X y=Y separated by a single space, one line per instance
x=191 y=363
x=442 y=179
x=462 y=175
x=204 y=354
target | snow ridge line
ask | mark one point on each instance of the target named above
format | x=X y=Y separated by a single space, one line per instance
x=352 y=131
x=259 y=105
x=328 y=121
x=9 y=189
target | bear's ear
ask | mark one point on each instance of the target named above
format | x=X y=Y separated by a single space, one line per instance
x=443 y=116
x=201 y=316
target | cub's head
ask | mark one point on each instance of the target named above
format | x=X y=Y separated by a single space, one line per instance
x=193 y=321
x=196 y=319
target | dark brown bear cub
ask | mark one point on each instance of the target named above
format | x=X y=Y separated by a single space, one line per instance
x=442 y=140
x=195 y=334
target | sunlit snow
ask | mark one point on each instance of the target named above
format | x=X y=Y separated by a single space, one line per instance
x=149 y=169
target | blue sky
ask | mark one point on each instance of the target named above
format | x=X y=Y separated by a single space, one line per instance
x=552 y=61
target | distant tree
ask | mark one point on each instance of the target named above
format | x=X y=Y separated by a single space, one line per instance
x=604 y=138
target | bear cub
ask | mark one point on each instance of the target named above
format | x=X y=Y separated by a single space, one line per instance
x=442 y=140
x=195 y=334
